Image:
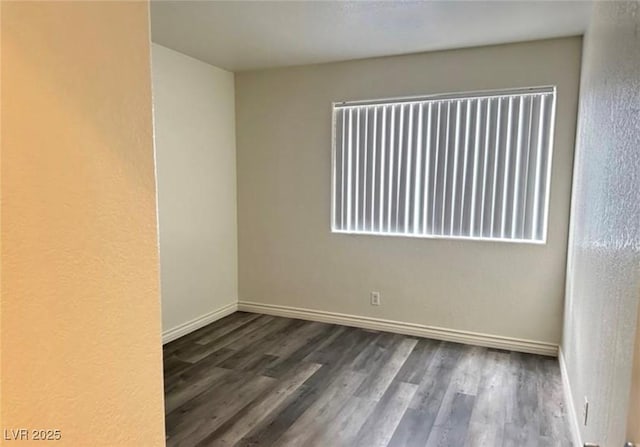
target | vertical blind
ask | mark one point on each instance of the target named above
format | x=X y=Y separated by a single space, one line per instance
x=468 y=165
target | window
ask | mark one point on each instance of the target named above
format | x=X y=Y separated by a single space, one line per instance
x=469 y=165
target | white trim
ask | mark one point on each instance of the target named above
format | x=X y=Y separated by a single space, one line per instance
x=438 y=333
x=572 y=415
x=198 y=322
x=496 y=93
x=439 y=236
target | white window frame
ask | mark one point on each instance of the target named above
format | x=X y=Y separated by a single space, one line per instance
x=458 y=97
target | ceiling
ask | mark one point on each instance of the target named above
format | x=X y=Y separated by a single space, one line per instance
x=244 y=35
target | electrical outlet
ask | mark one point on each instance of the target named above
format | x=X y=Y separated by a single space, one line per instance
x=375 y=298
x=586 y=411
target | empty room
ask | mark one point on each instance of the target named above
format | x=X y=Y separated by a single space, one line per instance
x=320 y=223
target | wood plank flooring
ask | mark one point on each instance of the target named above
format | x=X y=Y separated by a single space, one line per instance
x=257 y=380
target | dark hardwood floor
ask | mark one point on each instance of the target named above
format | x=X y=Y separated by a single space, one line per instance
x=257 y=380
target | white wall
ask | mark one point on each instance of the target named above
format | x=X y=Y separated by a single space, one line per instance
x=289 y=257
x=194 y=120
x=603 y=274
x=633 y=420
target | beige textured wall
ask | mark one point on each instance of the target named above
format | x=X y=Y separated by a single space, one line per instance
x=80 y=298
x=194 y=112
x=287 y=254
x=603 y=270
x=1 y=400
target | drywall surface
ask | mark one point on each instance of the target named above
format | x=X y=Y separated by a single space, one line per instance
x=633 y=419
x=287 y=253
x=81 y=346
x=603 y=273
x=194 y=118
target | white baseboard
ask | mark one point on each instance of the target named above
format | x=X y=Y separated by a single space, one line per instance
x=454 y=335
x=197 y=323
x=572 y=414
